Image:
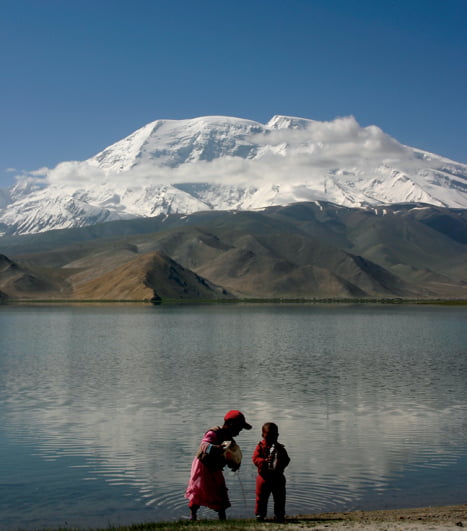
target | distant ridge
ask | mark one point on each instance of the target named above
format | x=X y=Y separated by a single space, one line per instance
x=300 y=251
x=218 y=163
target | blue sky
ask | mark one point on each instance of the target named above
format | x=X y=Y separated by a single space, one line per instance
x=77 y=75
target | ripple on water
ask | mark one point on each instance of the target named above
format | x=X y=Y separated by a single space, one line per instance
x=106 y=408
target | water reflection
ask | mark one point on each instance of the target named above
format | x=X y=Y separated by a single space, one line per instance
x=107 y=405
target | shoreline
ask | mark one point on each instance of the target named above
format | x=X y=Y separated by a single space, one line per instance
x=313 y=301
x=412 y=519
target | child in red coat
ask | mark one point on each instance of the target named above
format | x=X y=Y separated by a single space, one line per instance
x=271 y=458
x=207 y=483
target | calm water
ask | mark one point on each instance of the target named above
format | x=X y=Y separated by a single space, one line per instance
x=102 y=407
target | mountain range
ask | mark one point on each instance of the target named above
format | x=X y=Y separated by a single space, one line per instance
x=216 y=163
x=225 y=208
x=299 y=251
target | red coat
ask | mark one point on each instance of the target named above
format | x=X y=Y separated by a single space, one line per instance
x=262 y=460
x=207 y=484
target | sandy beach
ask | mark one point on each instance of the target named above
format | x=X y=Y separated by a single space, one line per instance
x=416 y=519
x=423 y=519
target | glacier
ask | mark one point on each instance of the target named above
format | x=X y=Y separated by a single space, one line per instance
x=228 y=163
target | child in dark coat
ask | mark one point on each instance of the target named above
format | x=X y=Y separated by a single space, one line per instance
x=271 y=458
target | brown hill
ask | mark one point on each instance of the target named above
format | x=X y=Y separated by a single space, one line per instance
x=296 y=266
x=24 y=282
x=145 y=277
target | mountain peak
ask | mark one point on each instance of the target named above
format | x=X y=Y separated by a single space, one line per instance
x=227 y=163
x=175 y=142
x=279 y=121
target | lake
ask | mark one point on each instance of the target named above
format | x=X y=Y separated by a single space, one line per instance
x=102 y=407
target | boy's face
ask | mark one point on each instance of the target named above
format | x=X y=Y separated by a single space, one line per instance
x=270 y=435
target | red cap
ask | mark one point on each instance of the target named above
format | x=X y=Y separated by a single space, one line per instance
x=237 y=416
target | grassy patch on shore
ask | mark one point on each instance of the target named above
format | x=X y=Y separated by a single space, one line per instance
x=215 y=525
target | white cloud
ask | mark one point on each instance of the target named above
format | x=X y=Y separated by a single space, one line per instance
x=311 y=152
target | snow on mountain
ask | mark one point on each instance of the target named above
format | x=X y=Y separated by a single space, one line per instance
x=175 y=142
x=219 y=163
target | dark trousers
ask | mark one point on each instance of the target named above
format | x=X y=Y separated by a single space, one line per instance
x=266 y=487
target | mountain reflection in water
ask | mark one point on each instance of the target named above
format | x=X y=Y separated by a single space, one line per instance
x=103 y=407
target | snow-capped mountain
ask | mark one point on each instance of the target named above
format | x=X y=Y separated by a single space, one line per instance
x=225 y=163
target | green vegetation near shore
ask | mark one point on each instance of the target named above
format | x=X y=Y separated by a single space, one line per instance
x=216 y=525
